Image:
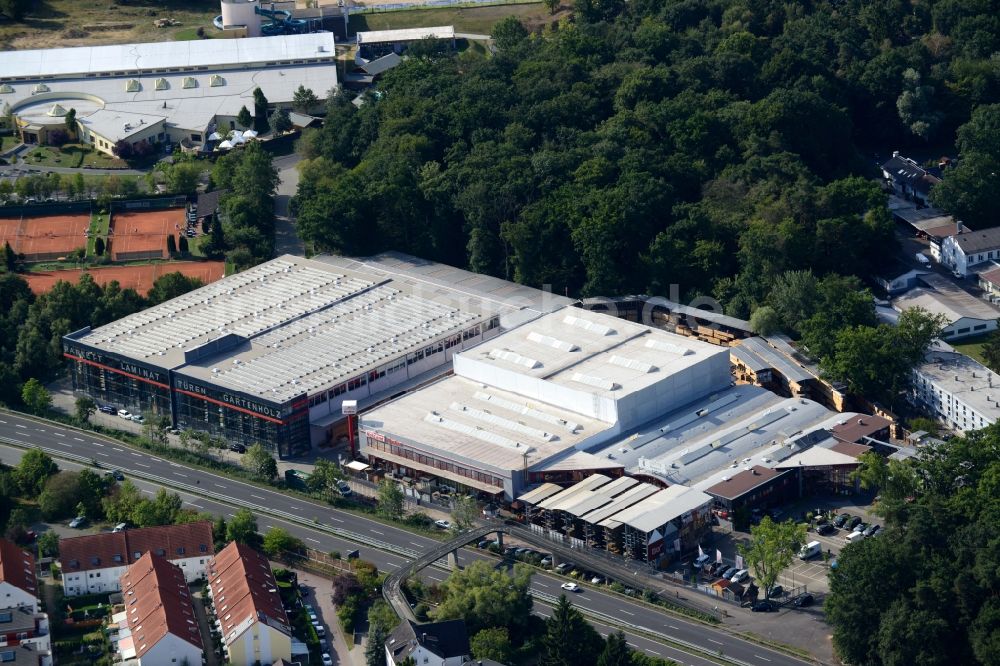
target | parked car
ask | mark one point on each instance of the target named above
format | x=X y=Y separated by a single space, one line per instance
x=804 y=600
x=776 y=592
x=320 y=630
x=728 y=572
x=509 y=551
x=546 y=561
x=872 y=530
x=853 y=522
x=327 y=661
x=825 y=528
x=120 y=527
x=570 y=587
x=597 y=580
x=860 y=527
x=78 y=522
x=841 y=520
x=137 y=418
x=237 y=448
x=125 y=414
x=740 y=576
x=442 y=524
x=763 y=607
x=484 y=544
x=701 y=561
x=344 y=489
x=107 y=409
x=117 y=475
x=564 y=567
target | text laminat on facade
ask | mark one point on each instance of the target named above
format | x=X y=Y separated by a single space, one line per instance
x=127 y=367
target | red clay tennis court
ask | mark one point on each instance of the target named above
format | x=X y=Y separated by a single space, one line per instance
x=140 y=278
x=143 y=235
x=45 y=238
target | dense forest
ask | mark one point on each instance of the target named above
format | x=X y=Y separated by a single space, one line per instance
x=31 y=327
x=927 y=591
x=713 y=144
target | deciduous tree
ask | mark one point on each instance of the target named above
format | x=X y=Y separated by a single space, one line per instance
x=390 y=500
x=771 y=548
x=260 y=463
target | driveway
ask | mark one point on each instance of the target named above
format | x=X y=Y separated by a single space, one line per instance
x=318 y=591
x=286 y=239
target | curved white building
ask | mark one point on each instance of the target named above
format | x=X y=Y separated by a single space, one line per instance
x=162 y=92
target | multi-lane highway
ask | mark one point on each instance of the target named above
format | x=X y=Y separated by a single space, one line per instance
x=325 y=528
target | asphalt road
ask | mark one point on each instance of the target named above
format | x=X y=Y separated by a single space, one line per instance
x=355 y=529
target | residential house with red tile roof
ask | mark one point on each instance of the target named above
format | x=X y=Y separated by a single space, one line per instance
x=18 y=586
x=24 y=631
x=248 y=608
x=95 y=563
x=158 y=626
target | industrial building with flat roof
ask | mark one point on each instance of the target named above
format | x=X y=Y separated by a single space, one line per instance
x=526 y=407
x=270 y=354
x=161 y=92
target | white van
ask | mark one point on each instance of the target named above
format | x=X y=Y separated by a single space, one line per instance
x=854 y=537
x=811 y=549
x=120 y=527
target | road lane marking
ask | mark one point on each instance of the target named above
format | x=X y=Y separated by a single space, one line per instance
x=763 y=658
x=21 y=426
x=141 y=465
x=377 y=532
x=193 y=504
x=180 y=474
x=621 y=610
x=96 y=444
x=311 y=539
x=3 y=422
x=117 y=449
x=295 y=507
x=137 y=455
x=418 y=545
x=40 y=429
x=58 y=434
x=712 y=640
x=219 y=485
x=336 y=520
x=78 y=439
x=102 y=454
x=258 y=497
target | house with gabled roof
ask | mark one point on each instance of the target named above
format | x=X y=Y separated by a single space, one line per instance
x=95 y=563
x=431 y=644
x=158 y=626
x=248 y=609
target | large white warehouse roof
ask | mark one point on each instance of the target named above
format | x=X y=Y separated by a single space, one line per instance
x=129 y=58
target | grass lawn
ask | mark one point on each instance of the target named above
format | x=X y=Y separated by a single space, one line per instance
x=473 y=19
x=98 y=160
x=8 y=142
x=191 y=34
x=74 y=23
x=972 y=347
x=68 y=156
x=98 y=227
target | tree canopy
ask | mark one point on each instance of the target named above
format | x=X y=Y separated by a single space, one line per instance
x=926 y=591
x=713 y=144
x=485 y=597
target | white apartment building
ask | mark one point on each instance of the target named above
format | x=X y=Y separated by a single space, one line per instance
x=958 y=391
x=94 y=564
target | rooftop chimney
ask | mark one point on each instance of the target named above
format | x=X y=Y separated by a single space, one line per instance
x=895 y=153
